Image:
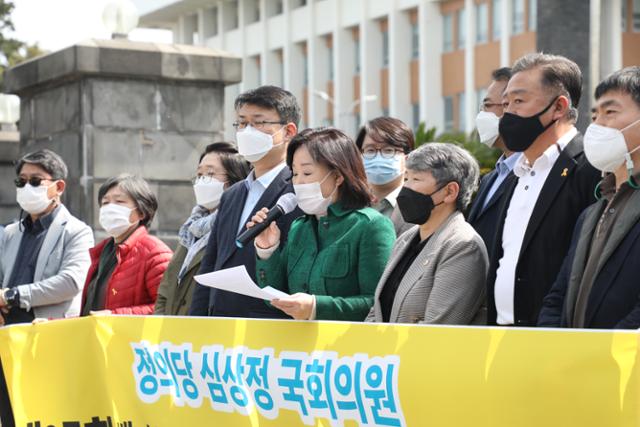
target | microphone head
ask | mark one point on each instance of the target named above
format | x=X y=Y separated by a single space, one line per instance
x=287 y=203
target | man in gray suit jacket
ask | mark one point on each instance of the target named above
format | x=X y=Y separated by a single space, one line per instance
x=44 y=258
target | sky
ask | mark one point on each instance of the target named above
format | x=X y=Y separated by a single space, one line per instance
x=56 y=24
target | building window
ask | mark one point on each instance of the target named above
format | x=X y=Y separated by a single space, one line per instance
x=482 y=23
x=482 y=93
x=461 y=28
x=305 y=66
x=462 y=117
x=230 y=16
x=385 y=111
x=330 y=61
x=496 y=18
x=356 y=52
x=636 y=15
x=518 y=17
x=415 y=40
x=259 y=65
x=415 y=115
x=533 y=14
x=385 y=48
x=279 y=7
x=211 y=22
x=448 y=113
x=447 y=26
x=624 y=15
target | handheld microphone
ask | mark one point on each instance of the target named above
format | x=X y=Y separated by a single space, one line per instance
x=285 y=204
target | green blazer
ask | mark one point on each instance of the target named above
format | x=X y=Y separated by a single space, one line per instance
x=174 y=300
x=338 y=258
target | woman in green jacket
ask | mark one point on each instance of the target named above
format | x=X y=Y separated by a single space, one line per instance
x=336 y=253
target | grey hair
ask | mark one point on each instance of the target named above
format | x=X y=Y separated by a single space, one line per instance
x=448 y=163
x=559 y=74
x=138 y=189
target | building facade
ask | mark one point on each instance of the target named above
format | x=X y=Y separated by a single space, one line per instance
x=419 y=60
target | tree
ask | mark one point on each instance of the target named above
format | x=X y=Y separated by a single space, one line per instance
x=485 y=156
x=12 y=51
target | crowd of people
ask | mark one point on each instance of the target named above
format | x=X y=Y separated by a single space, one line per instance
x=382 y=231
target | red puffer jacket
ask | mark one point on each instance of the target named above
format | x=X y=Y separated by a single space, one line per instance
x=133 y=286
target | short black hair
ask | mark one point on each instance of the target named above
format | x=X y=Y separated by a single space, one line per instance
x=51 y=162
x=501 y=74
x=138 y=189
x=558 y=73
x=334 y=149
x=272 y=98
x=387 y=130
x=235 y=166
x=626 y=80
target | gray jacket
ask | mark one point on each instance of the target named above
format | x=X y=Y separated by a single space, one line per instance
x=446 y=282
x=61 y=269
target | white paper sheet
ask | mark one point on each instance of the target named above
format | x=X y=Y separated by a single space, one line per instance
x=237 y=280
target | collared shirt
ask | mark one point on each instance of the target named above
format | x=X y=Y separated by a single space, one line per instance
x=617 y=202
x=388 y=204
x=504 y=166
x=24 y=267
x=255 y=190
x=531 y=179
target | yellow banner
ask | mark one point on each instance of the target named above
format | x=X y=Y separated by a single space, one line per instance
x=160 y=371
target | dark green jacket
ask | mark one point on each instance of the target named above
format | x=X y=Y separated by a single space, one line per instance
x=174 y=300
x=338 y=258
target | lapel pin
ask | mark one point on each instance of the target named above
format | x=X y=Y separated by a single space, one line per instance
x=426 y=261
x=564 y=172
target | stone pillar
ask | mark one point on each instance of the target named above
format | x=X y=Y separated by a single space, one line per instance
x=563 y=29
x=113 y=106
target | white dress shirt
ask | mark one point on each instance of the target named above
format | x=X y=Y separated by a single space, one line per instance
x=531 y=179
x=256 y=188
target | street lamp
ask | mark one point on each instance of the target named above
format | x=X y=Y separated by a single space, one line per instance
x=326 y=97
x=9 y=111
x=120 y=17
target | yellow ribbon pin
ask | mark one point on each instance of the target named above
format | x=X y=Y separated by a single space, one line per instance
x=565 y=172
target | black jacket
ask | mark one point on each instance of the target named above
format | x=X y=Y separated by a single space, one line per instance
x=222 y=252
x=614 y=301
x=567 y=191
x=485 y=219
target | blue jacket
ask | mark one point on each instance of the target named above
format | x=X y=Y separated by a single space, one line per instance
x=222 y=252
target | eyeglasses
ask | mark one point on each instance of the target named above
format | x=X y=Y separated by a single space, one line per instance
x=260 y=125
x=34 y=181
x=387 y=152
x=208 y=178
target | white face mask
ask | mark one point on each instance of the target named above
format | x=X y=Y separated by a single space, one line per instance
x=33 y=200
x=253 y=144
x=208 y=192
x=606 y=148
x=115 y=219
x=487 y=124
x=310 y=198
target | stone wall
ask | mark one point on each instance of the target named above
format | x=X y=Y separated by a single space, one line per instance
x=134 y=107
x=9 y=149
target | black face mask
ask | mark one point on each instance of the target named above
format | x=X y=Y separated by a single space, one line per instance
x=416 y=207
x=518 y=133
